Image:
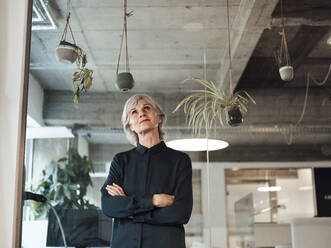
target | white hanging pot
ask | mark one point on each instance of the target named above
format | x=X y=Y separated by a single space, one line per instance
x=66 y=52
x=124 y=81
x=286 y=73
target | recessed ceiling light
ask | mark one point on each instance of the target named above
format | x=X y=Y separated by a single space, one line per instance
x=269 y=188
x=197 y=144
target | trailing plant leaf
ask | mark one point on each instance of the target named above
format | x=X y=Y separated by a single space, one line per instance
x=82 y=77
x=209 y=105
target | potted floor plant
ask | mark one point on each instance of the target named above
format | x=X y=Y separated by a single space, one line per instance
x=64 y=183
x=211 y=105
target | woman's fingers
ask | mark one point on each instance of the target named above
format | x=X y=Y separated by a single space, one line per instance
x=115 y=190
x=119 y=188
x=163 y=200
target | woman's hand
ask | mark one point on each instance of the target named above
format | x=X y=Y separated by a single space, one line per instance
x=163 y=200
x=115 y=190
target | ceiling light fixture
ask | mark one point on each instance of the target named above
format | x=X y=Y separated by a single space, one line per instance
x=329 y=41
x=269 y=188
x=198 y=144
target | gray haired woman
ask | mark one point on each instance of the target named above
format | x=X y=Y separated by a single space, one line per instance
x=148 y=191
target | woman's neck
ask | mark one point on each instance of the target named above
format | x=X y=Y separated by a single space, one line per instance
x=149 y=139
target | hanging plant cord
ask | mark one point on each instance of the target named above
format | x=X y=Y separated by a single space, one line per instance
x=124 y=33
x=229 y=50
x=64 y=34
x=289 y=138
x=283 y=43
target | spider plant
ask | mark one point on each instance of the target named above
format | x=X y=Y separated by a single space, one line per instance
x=210 y=105
x=82 y=76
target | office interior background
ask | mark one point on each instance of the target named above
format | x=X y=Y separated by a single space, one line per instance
x=255 y=192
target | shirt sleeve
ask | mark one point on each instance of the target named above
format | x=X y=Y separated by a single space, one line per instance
x=122 y=206
x=180 y=211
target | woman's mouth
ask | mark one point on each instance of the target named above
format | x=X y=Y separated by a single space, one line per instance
x=144 y=120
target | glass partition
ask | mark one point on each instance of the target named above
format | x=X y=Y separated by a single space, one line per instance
x=279 y=196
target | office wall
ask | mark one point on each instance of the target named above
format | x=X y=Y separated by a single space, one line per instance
x=13 y=17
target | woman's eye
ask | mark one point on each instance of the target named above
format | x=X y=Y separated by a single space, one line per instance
x=133 y=112
x=147 y=107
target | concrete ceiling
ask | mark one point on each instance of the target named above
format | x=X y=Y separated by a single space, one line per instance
x=168 y=41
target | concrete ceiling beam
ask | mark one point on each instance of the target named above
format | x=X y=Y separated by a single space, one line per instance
x=274 y=106
x=252 y=18
x=298 y=21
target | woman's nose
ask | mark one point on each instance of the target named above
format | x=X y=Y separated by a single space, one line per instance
x=141 y=113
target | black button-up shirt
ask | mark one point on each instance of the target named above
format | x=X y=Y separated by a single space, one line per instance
x=142 y=172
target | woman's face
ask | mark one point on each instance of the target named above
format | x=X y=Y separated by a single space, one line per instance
x=143 y=117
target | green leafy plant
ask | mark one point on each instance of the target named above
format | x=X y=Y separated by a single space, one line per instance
x=210 y=105
x=82 y=76
x=64 y=183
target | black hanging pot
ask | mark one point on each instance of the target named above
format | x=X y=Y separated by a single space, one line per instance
x=235 y=117
x=124 y=81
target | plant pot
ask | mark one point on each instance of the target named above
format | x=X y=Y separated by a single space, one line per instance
x=66 y=52
x=235 y=116
x=124 y=81
x=286 y=73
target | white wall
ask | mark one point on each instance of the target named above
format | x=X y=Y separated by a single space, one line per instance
x=35 y=101
x=83 y=148
x=12 y=42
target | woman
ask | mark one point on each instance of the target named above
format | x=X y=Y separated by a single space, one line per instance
x=148 y=191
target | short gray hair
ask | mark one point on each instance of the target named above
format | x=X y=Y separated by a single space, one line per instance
x=130 y=103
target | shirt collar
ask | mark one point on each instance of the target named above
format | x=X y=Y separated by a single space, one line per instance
x=154 y=149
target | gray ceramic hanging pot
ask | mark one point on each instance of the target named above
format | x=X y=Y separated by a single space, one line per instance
x=66 y=52
x=124 y=81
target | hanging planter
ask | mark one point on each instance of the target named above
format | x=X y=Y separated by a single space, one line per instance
x=234 y=116
x=68 y=52
x=282 y=55
x=211 y=104
x=124 y=80
x=286 y=73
